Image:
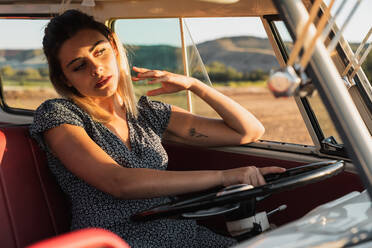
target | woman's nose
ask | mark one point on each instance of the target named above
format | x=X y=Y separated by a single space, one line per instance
x=96 y=69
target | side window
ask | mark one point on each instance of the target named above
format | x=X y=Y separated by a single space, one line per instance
x=23 y=67
x=324 y=120
x=238 y=61
x=153 y=44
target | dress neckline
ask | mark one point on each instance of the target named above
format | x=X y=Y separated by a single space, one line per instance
x=130 y=129
x=129 y=124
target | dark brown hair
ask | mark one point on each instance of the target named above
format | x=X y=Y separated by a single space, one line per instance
x=64 y=27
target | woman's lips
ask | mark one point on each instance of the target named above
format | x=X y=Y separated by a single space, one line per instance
x=102 y=82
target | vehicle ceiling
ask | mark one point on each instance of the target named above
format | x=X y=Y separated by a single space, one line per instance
x=106 y=9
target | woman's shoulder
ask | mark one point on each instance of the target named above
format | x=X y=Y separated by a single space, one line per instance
x=53 y=113
x=56 y=102
x=155 y=113
x=56 y=105
x=57 y=111
x=145 y=104
x=143 y=101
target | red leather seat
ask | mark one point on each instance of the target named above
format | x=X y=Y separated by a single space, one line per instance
x=86 y=238
x=32 y=207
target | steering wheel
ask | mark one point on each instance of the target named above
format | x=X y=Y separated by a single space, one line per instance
x=228 y=199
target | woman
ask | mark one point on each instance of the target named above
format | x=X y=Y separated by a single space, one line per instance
x=105 y=149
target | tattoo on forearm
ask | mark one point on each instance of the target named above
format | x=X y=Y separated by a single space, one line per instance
x=194 y=133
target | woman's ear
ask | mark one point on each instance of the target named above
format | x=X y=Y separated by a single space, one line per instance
x=118 y=45
x=65 y=81
x=114 y=44
x=115 y=48
x=121 y=54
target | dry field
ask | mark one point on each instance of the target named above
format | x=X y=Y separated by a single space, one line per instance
x=31 y=98
x=280 y=116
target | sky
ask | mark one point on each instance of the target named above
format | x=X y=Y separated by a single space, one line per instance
x=202 y=29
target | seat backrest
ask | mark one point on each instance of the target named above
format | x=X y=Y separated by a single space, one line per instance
x=32 y=206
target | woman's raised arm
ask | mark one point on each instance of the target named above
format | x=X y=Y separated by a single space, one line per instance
x=238 y=125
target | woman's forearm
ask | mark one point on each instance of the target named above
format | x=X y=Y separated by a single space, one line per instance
x=138 y=183
x=233 y=114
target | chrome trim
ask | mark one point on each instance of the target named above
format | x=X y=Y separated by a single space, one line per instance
x=308 y=123
x=353 y=59
x=338 y=35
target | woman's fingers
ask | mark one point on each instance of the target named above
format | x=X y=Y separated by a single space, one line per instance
x=256 y=176
x=171 y=82
x=146 y=73
x=253 y=179
x=158 y=80
x=155 y=92
x=261 y=180
x=248 y=175
x=271 y=169
x=154 y=81
x=139 y=69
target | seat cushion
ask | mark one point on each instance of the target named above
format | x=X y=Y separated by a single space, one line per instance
x=32 y=206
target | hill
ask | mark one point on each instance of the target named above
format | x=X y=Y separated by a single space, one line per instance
x=243 y=53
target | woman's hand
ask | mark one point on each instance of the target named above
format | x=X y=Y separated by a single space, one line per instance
x=170 y=82
x=237 y=126
x=248 y=175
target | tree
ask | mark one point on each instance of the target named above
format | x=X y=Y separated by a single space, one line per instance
x=256 y=75
x=367 y=67
x=27 y=74
x=233 y=74
x=44 y=72
x=7 y=71
x=32 y=74
x=219 y=72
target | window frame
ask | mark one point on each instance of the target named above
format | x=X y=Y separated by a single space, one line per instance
x=321 y=147
x=3 y=104
x=285 y=56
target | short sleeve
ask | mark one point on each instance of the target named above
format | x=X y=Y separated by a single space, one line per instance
x=156 y=113
x=53 y=113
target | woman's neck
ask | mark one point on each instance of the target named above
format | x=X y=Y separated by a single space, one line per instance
x=114 y=105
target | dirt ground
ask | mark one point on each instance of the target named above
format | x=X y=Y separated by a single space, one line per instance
x=27 y=98
x=280 y=116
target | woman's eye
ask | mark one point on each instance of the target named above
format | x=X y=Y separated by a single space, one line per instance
x=79 y=67
x=100 y=52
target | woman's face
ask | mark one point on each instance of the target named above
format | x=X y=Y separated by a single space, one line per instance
x=89 y=64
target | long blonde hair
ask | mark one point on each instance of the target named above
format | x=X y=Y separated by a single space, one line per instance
x=64 y=27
